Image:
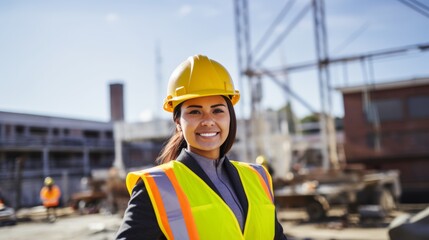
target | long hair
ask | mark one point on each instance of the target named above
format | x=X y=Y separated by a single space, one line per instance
x=177 y=141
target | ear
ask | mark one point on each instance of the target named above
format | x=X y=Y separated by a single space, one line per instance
x=178 y=127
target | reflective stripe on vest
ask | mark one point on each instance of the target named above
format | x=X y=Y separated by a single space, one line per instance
x=267 y=184
x=171 y=205
x=182 y=200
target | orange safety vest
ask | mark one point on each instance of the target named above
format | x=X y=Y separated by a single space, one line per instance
x=187 y=208
x=50 y=197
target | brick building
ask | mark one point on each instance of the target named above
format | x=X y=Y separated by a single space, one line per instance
x=386 y=126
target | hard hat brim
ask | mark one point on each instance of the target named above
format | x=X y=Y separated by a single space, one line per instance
x=173 y=102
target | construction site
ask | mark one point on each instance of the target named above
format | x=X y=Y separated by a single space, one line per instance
x=357 y=176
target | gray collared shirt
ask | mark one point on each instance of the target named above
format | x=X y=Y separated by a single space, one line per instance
x=217 y=174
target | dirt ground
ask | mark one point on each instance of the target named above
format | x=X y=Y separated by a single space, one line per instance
x=99 y=226
x=91 y=227
x=335 y=227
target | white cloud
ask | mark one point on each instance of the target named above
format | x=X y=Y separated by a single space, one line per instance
x=185 y=10
x=112 y=17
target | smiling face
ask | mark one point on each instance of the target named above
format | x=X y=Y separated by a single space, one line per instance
x=205 y=124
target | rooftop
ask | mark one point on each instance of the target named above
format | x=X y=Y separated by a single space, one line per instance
x=385 y=85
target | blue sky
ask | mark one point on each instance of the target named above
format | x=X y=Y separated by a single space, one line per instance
x=58 y=57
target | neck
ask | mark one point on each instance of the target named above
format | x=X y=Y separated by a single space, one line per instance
x=213 y=155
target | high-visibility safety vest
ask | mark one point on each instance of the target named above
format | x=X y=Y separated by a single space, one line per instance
x=50 y=197
x=187 y=208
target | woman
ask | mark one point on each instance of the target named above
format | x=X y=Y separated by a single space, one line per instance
x=197 y=192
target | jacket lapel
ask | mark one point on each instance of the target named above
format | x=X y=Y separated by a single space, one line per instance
x=237 y=185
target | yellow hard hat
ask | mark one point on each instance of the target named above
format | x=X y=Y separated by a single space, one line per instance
x=199 y=76
x=49 y=181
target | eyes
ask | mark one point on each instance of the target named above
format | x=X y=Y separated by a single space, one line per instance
x=198 y=111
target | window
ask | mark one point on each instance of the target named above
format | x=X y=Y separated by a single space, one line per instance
x=109 y=134
x=38 y=131
x=19 y=130
x=419 y=140
x=418 y=107
x=371 y=140
x=386 y=110
x=8 y=130
x=55 y=131
x=100 y=160
x=64 y=160
x=91 y=134
x=33 y=161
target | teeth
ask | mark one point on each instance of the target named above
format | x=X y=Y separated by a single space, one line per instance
x=207 y=134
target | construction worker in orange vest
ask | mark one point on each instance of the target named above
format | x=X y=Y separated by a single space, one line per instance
x=197 y=192
x=50 y=196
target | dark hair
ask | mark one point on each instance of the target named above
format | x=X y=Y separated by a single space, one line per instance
x=174 y=146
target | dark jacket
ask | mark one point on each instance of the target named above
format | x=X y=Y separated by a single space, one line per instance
x=140 y=220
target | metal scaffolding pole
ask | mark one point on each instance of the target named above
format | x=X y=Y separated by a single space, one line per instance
x=244 y=59
x=328 y=135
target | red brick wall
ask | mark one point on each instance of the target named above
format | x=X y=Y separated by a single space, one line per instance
x=401 y=138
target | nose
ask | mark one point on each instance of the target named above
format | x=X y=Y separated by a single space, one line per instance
x=207 y=121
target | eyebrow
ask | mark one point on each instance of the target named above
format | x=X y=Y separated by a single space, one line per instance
x=218 y=105
x=213 y=106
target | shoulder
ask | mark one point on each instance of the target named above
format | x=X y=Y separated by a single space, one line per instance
x=139 y=217
x=136 y=176
x=252 y=168
x=246 y=165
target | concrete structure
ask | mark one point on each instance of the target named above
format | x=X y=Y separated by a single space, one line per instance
x=34 y=146
x=386 y=126
x=307 y=145
x=150 y=136
x=267 y=135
